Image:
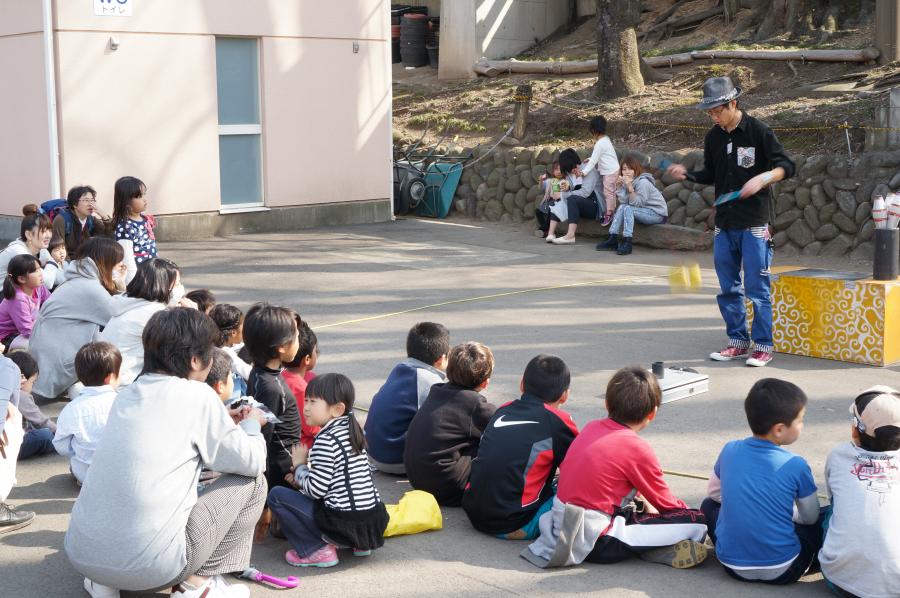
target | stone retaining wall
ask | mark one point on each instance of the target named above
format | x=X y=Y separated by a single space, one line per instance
x=825 y=209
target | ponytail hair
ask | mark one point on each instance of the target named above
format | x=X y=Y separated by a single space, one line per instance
x=20 y=265
x=228 y=318
x=334 y=389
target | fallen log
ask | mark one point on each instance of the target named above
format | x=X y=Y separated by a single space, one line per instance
x=669 y=59
x=864 y=55
x=492 y=68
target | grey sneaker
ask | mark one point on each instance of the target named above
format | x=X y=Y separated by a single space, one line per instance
x=11 y=519
x=682 y=555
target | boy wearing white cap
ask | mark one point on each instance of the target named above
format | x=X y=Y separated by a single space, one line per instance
x=861 y=553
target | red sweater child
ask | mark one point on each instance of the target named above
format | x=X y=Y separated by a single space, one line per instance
x=605 y=463
x=297 y=383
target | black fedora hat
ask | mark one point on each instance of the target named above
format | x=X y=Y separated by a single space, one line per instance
x=718 y=91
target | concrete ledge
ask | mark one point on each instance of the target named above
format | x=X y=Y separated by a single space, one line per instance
x=658 y=236
x=187 y=227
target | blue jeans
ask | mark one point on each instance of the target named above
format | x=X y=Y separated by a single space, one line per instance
x=36 y=442
x=748 y=249
x=295 y=515
x=623 y=221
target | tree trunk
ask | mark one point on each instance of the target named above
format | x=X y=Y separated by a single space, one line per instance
x=619 y=62
x=731 y=9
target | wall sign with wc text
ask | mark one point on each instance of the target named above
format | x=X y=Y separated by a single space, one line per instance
x=113 y=8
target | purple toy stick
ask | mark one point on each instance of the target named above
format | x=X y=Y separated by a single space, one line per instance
x=258 y=576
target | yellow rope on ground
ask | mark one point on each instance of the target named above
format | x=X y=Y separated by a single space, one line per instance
x=681 y=474
x=485 y=297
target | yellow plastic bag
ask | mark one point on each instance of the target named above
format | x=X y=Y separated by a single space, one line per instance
x=418 y=511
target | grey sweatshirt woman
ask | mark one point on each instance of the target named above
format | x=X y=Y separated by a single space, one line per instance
x=646 y=195
x=71 y=318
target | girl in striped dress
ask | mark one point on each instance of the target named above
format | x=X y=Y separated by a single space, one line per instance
x=337 y=505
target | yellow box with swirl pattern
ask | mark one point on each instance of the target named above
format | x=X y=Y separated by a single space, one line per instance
x=845 y=316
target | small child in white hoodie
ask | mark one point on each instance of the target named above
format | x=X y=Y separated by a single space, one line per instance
x=80 y=425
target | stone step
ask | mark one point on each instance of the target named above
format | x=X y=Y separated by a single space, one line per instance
x=659 y=236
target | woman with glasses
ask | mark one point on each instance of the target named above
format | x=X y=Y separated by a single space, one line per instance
x=81 y=219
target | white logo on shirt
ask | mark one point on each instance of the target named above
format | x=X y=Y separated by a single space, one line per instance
x=499 y=423
x=746 y=157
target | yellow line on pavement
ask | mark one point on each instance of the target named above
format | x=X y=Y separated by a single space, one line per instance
x=492 y=296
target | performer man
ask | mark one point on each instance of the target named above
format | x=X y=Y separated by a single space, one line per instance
x=740 y=153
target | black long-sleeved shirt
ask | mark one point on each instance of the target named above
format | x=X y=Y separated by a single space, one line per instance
x=443 y=439
x=269 y=388
x=732 y=159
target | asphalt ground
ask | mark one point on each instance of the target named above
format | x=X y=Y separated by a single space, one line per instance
x=362 y=287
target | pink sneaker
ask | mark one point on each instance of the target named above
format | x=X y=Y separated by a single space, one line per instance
x=759 y=359
x=361 y=552
x=323 y=557
x=606 y=220
x=729 y=353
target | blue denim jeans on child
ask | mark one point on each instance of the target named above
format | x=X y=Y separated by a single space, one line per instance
x=295 y=513
x=734 y=249
x=623 y=221
x=38 y=441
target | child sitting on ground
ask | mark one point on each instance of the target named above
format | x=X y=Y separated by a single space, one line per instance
x=81 y=423
x=221 y=381
x=23 y=295
x=511 y=484
x=404 y=391
x=443 y=436
x=230 y=321
x=861 y=553
x=337 y=499
x=762 y=509
x=612 y=502
x=270 y=334
x=55 y=268
x=39 y=428
x=299 y=371
x=219 y=378
x=204 y=299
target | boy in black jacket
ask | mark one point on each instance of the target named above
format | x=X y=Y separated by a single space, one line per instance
x=271 y=338
x=511 y=484
x=443 y=436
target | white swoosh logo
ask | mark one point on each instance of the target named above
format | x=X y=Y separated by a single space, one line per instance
x=499 y=423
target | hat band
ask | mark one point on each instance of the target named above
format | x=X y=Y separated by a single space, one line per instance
x=728 y=96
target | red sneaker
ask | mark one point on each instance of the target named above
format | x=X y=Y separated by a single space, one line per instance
x=759 y=359
x=729 y=353
x=323 y=557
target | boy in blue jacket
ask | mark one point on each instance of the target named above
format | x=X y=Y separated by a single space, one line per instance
x=404 y=391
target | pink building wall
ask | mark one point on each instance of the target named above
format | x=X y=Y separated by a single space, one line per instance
x=149 y=108
x=24 y=141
